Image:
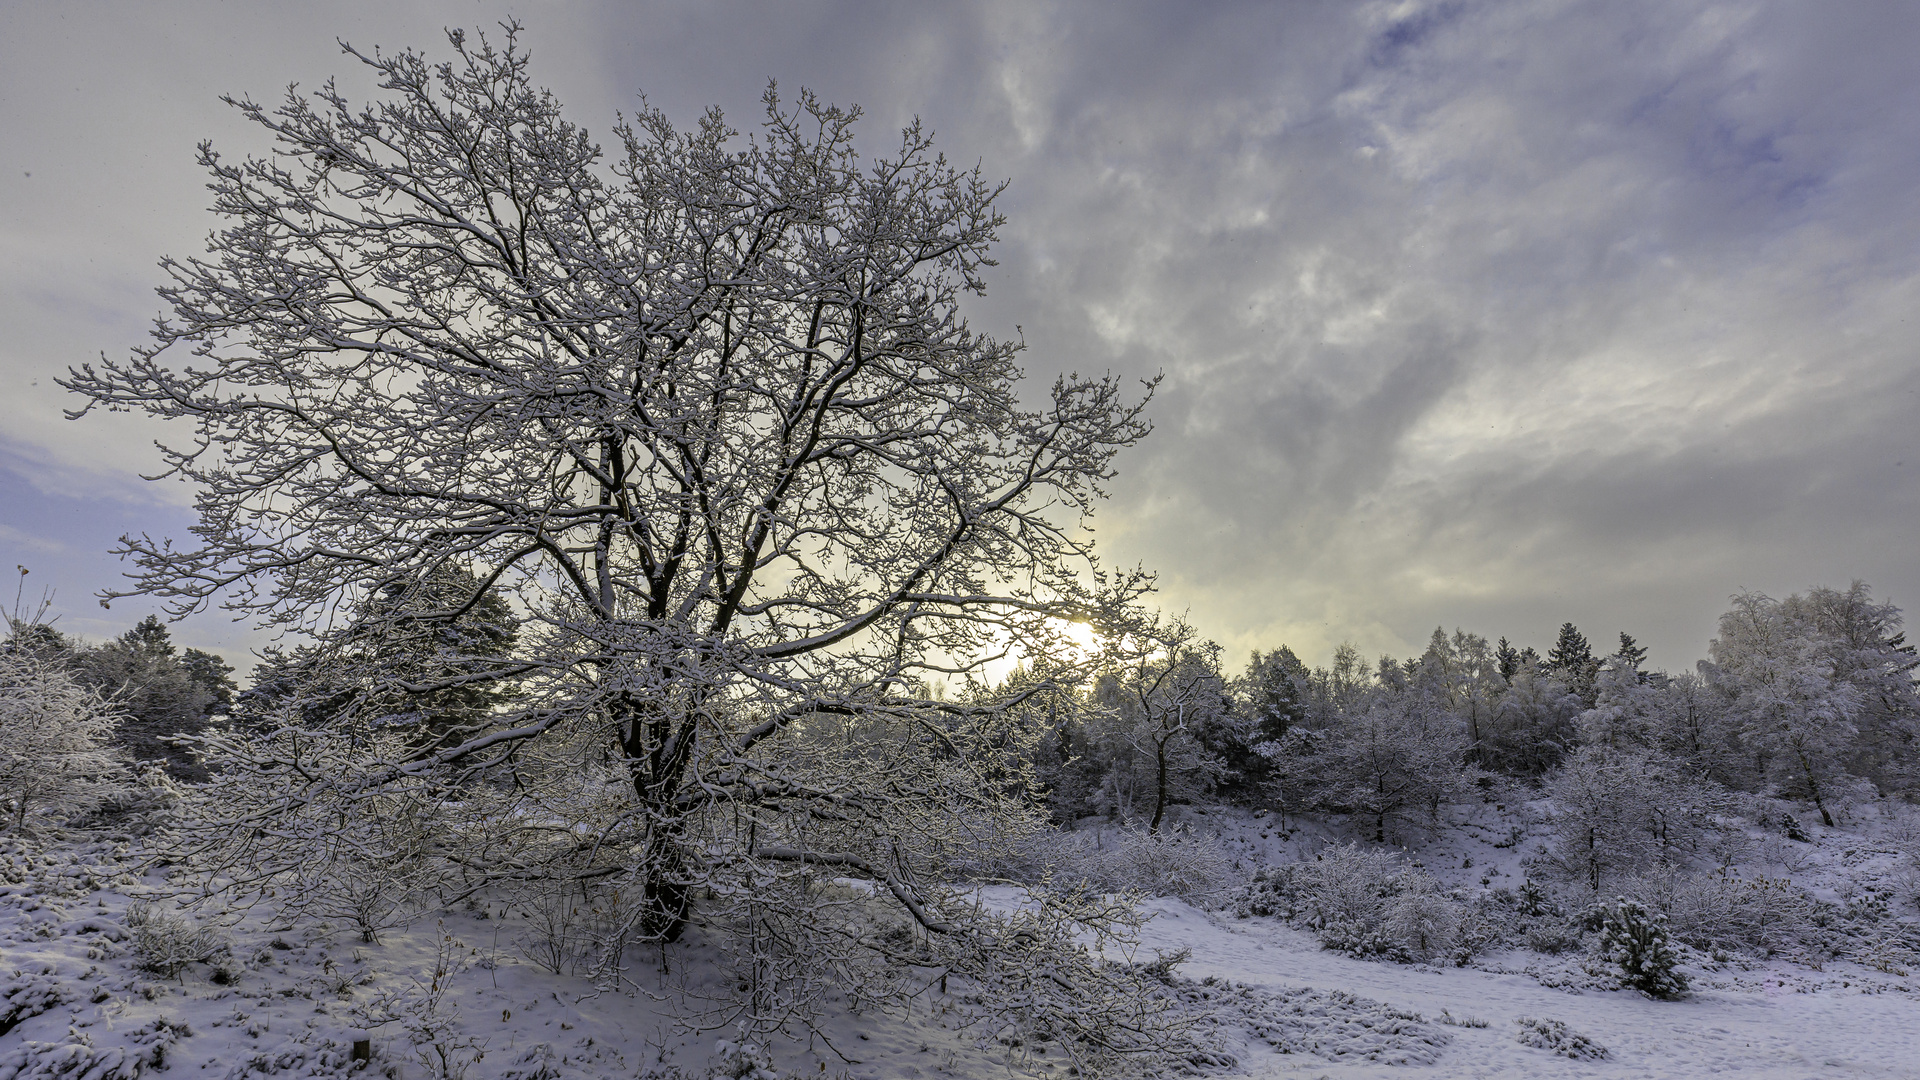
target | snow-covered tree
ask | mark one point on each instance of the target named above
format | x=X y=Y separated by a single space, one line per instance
x=1532 y=725
x=1626 y=710
x=1792 y=713
x=1573 y=660
x=1863 y=641
x=160 y=694
x=1397 y=761
x=1463 y=674
x=1618 y=811
x=370 y=671
x=709 y=410
x=56 y=750
x=1166 y=692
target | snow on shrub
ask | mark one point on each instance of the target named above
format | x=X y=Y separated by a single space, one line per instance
x=1361 y=901
x=164 y=943
x=55 y=752
x=742 y=1058
x=1331 y=1024
x=144 y=1051
x=27 y=994
x=1557 y=1038
x=1720 y=911
x=1174 y=863
x=1635 y=941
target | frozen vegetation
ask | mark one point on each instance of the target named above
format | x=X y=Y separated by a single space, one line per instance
x=107 y=975
x=697 y=663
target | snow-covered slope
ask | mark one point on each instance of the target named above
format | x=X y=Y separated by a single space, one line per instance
x=462 y=995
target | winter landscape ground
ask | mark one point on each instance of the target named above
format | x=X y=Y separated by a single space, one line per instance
x=463 y=992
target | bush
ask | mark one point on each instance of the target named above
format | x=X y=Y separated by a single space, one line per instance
x=1191 y=867
x=164 y=943
x=1719 y=911
x=1552 y=937
x=1636 y=942
x=1557 y=1038
x=1364 y=903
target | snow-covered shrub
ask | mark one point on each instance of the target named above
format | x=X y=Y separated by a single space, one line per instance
x=742 y=1057
x=1179 y=863
x=165 y=942
x=1551 y=936
x=28 y=993
x=1557 y=1038
x=142 y=1052
x=1129 y=859
x=1190 y=866
x=1423 y=922
x=1720 y=911
x=370 y=857
x=1635 y=941
x=432 y=1025
x=1360 y=901
x=1477 y=931
x=55 y=739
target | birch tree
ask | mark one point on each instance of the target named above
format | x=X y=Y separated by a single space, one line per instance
x=706 y=406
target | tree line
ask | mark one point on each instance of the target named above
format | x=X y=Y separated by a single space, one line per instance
x=1811 y=698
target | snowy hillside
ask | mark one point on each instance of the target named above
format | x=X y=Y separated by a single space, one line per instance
x=104 y=977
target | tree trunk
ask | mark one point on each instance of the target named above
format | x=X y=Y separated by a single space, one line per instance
x=1813 y=788
x=1160 y=784
x=657 y=752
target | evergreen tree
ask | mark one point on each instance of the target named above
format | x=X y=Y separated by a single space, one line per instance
x=1574 y=660
x=1274 y=692
x=1636 y=941
x=1508 y=658
x=159 y=697
x=211 y=673
x=1632 y=655
x=402 y=662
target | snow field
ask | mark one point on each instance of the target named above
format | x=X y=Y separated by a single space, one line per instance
x=461 y=995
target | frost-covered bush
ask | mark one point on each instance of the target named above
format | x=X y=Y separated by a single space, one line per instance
x=1359 y=901
x=1720 y=911
x=580 y=929
x=1190 y=866
x=1552 y=937
x=1423 y=922
x=165 y=942
x=1530 y=915
x=440 y=1043
x=367 y=858
x=742 y=1058
x=1557 y=1038
x=55 y=736
x=1635 y=941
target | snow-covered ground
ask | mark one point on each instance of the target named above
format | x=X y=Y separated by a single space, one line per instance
x=464 y=990
x=1771 y=1021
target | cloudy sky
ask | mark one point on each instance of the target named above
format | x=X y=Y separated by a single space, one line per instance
x=1491 y=315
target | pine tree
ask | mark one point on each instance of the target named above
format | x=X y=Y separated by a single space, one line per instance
x=1636 y=941
x=160 y=697
x=1632 y=654
x=1509 y=659
x=1574 y=659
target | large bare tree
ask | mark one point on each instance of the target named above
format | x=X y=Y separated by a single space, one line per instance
x=706 y=406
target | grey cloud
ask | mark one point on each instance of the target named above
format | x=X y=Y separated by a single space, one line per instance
x=1492 y=315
